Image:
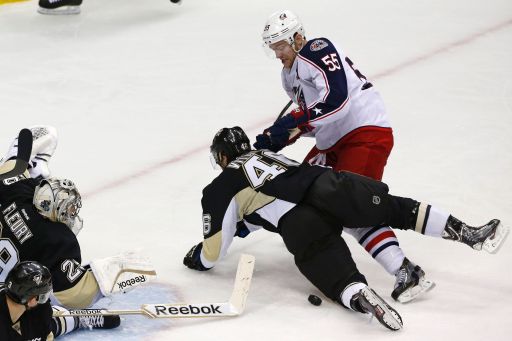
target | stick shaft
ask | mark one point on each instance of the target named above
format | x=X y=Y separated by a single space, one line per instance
x=284 y=110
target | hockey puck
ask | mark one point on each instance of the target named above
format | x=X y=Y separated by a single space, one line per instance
x=314 y=300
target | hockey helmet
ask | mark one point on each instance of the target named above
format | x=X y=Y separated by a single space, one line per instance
x=28 y=279
x=231 y=142
x=59 y=201
x=282 y=25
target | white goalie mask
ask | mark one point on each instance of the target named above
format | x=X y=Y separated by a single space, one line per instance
x=59 y=201
x=281 y=25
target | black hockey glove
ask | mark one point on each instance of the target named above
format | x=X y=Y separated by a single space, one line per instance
x=192 y=259
x=277 y=136
x=274 y=138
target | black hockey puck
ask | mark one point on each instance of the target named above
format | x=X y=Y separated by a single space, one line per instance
x=314 y=300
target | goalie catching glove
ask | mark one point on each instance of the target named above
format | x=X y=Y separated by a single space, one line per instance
x=193 y=258
x=284 y=131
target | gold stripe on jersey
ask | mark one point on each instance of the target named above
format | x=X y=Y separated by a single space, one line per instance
x=212 y=247
x=82 y=294
x=249 y=201
x=50 y=337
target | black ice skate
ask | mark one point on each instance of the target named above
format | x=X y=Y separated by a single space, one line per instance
x=367 y=301
x=489 y=237
x=97 y=321
x=410 y=282
x=59 y=6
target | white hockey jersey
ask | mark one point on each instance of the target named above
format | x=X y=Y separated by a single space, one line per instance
x=338 y=97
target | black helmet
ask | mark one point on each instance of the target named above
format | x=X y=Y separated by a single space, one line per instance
x=231 y=142
x=28 y=279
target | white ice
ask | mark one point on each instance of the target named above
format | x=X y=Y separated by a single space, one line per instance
x=138 y=88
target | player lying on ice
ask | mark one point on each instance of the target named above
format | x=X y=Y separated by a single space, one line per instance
x=40 y=220
x=308 y=206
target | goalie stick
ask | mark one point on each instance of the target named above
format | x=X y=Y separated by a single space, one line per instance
x=23 y=155
x=235 y=306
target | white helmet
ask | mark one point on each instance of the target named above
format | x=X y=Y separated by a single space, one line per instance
x=282 y=26
x=59 y=201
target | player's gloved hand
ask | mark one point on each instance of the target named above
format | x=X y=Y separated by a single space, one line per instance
x=241 y=230
x=264 y=141
x=192 y=259
x=277 y=136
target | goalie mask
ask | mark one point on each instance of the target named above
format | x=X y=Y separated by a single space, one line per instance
x=231 y=142
x=59 y=201
x=282 y=25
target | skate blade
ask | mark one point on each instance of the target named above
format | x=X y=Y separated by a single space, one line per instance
x=493 y=244
x=410 y=294
x=387 y=316
x=65 y=10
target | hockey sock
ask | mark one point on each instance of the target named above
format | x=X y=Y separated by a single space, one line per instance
x=430 y=220
x=63 y=325
x=381 y=243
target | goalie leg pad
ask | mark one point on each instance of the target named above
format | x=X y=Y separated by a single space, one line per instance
x=122 y=272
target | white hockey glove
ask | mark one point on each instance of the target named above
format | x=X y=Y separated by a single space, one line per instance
x=122 y=272
x=45 y=141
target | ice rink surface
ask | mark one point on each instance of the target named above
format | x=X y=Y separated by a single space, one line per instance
x=137 y=90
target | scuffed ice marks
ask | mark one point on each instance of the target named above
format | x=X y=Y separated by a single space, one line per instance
x=133 y=327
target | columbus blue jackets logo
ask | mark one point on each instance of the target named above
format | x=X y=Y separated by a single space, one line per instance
x=318 y=44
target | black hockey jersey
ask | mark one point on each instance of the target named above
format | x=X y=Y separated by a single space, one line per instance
x=27 y=235
x=34 y=324
x=257 y=188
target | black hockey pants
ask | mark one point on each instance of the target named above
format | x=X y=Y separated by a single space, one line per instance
x=319 y=251
x=312 y=230
x=353 y=201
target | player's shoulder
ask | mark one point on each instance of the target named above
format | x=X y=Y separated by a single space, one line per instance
x=17 y=187
x=317 y=48
x=232 y=178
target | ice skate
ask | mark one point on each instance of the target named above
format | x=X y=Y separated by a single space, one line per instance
x=489 y=237
x=97 y=321
x=410 y=282
x=59 y=7
x=368 y=301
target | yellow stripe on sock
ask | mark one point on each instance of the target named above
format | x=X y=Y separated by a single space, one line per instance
x=3 y=2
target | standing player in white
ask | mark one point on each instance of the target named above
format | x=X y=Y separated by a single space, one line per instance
x=347 y=117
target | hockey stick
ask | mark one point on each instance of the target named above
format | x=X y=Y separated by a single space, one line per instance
x=23 y=155
x=283 y=111
x=235 y=306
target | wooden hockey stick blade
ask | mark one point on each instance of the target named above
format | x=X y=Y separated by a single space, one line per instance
x=23 y=156
x=283 y=111
x=235 y=306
